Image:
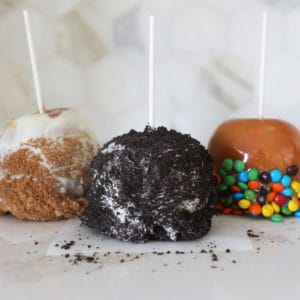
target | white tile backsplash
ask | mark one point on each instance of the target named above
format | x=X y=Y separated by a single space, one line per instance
x=92 y=55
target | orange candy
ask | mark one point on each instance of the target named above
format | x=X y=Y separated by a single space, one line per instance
x=255 y=209
x=271 y=196
x=235 y=188
x=277 y=187
x=253 y=185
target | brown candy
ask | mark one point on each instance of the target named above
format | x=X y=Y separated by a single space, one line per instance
x=263 y=144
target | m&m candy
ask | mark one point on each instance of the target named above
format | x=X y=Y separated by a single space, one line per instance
x=271 y=193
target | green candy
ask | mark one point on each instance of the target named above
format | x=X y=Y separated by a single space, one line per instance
x=228 y=201
x=227 y=164
x=239 y=165
x=277 y=218
x=222 y=173
x=243 y=186
x=253 y=174
x=250 y=195
x=229 y=180
x=285 y=211
x=223 y=187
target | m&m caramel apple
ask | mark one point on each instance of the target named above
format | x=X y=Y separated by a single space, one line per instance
x=44 y=165
x=256 y=163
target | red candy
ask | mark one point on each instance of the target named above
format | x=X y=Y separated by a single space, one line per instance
x=237 y=212
x=219 y=206
x=219 y=179
x=280 y=199
x=227 y=210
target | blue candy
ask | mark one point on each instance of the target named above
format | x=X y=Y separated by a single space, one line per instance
x=287 y=192
x=243 y=176
x=237 y=196
x=286 y=180
x=297 y=213
x=275 y=175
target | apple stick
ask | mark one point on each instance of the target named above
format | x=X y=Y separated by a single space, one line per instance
x=36 y=81
x=261 y=92
x=151 y=70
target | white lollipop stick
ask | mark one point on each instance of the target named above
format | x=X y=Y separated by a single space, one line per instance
x=261 y=92
x=151 y=70
x=35 y=73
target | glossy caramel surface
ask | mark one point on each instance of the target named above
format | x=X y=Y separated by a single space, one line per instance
x=264 y=144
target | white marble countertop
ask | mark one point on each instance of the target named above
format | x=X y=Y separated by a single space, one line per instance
x=269 y=271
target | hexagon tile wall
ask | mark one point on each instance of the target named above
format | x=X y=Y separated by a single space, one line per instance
x=92 y=55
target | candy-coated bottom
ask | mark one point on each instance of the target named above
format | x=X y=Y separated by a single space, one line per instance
x=267 y=193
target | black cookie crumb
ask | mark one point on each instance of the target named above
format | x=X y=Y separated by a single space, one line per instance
x=251 y=234
x=67 y=245
x=151 y=185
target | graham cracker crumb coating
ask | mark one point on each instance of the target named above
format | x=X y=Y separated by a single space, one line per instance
x=33 y=179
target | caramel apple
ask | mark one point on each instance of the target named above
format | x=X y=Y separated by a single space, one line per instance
x=263 y=144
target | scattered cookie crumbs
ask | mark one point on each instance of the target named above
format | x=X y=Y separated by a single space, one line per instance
x=179 y=252
x=67 y=245
x=251 y=234
x=214 y=257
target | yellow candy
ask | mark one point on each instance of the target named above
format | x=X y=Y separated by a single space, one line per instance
x=244 y=203
x=293 y=206
x=267 y=210
x=275 y=207
x=296 y=186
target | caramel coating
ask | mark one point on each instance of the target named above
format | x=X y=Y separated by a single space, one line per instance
x=264 y=144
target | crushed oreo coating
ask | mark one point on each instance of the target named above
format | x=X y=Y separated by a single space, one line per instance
x=151 y=185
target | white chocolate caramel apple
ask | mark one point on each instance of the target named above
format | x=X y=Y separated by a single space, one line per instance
x=44 y=165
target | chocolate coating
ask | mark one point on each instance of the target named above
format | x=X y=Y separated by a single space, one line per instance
x=263 y=144
x=156 y=184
